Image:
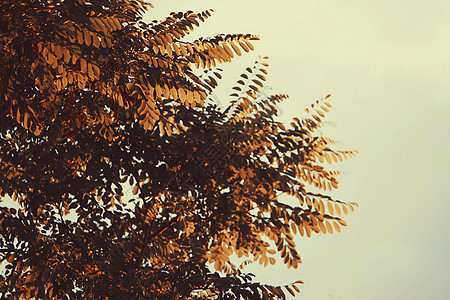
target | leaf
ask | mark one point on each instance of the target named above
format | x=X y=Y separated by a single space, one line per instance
x=135 y=189
x=329 y=227
x=289 y=290
x=95 y=41
x=338 y=209
x=80 y=37
x=258 y=82
x=261 y=77
x=336 y=227
x=10 y=258
x=228 y=50
x=161 y=128
x=344 y=209
x=334 y=183
x=18 y=116
x=25 y=120
x=254 y=88
x=83 y=65
x=249 y=45
x=342 y=222
x=236 y=49
x=87 y=38
x=242 y=174
x=330 y=208
x=322 y=227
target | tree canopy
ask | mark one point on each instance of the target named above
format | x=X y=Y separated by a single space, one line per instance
x=129 y=181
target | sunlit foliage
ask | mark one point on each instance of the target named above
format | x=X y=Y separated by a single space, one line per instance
x=131 y=183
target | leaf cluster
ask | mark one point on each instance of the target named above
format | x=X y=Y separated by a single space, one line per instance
x=130 y=183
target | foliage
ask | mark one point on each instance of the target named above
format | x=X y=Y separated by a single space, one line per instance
x=95 y=103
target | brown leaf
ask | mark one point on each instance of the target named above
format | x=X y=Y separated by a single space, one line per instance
x=272 y=260
x=336 y=226
x=87 y=37
x=244 y=46
x=236 y=49
x=330 y=208
x=329 y=227
x=80 y=37
x=322 y=227
x=228 y=50
x=83 y=65
x=95 y=41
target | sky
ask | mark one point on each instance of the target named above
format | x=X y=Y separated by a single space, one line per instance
x=387 y=65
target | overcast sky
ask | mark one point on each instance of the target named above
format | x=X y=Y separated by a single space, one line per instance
x=387 y=65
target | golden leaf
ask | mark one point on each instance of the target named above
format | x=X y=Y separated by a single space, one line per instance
x=168 y=129
x=294 y=228
x=90 y=71
x=228 y=50
x=308 y=230
x=329 y=227
x=80 y=37
x=338 y=209
x=161 y=128
x=83 y=65
x=135 y=189
x=342 y=222
x=87 y=38
x=189 y=47
x=308 y=202
x=336 y=226
x=243 y=46
x=95 y=41
x=344 y=208
x=334 y=183
x=322 y=227
x=321 y=207
x=249 y=45
x=300 y=229
x=330 y=208
x=333 y=156
x=236 y=49
x=272 y=260
x=316 y=205
x=25 y=120
x=162 y=49
x=117 y=23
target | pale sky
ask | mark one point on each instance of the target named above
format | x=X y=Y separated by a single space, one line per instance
x=387 y=65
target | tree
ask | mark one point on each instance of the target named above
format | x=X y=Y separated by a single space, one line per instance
x=95 y=103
